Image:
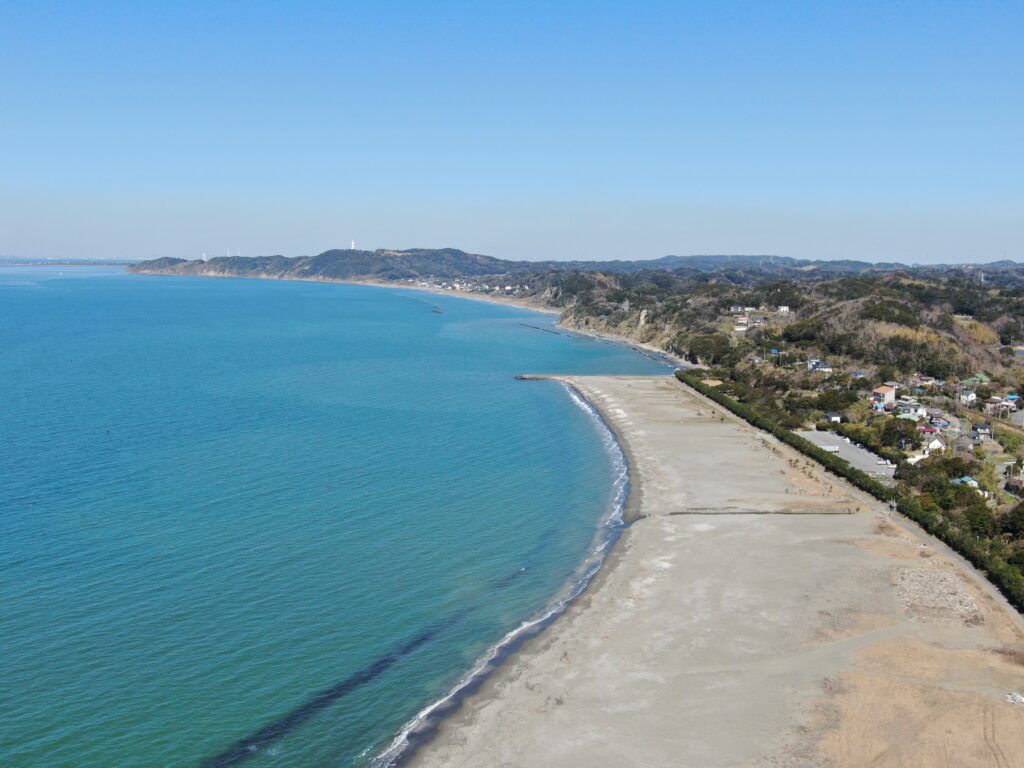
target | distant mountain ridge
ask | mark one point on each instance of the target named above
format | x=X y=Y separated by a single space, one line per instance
x=337 y=264
x=385 y=264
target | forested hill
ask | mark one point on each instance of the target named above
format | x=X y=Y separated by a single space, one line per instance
x=342 y=265
x=451 y=263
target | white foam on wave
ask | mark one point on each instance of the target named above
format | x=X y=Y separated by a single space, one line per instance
x=606 y=535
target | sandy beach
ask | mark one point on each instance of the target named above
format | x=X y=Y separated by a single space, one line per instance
x=757 y=612
x=513 y=301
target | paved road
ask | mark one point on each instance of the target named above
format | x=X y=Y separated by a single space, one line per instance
x=861 y=458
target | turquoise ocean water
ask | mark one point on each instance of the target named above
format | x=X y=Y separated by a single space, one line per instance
x=269 y=523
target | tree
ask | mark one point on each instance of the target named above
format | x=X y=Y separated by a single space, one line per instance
x=1013 y=522
x=1012 y=442
x=980 y=519
x=987 y=477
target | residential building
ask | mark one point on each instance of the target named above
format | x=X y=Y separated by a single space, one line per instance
x=884 y=395
x=911 y=407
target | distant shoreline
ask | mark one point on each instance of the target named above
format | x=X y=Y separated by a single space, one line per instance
x=501 y=300
x=124 y=264
x=511 y=301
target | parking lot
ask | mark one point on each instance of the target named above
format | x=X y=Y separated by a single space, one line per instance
x=861 y=458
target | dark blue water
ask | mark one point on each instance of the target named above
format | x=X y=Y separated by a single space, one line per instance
x=267 y=523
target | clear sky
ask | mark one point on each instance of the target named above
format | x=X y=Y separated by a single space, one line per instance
x=888 y=130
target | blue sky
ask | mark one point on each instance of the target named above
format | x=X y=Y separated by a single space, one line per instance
x=523 y=130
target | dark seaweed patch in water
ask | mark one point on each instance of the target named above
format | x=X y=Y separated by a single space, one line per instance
x=419 y=735
x=243 y=749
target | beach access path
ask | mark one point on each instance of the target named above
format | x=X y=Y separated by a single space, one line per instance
x=757 y=612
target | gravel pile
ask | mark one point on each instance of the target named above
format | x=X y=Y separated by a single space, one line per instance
x=935 y=593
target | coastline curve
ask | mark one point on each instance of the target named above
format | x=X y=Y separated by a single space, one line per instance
x=424 y=725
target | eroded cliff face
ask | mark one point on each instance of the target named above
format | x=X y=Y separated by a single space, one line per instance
x=636 y=326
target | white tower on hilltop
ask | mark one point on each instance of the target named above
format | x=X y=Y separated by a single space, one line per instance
x=353 y=246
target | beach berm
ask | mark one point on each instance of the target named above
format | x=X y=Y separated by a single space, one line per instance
x=758 y=611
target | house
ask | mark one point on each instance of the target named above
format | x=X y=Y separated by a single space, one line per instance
x=967 y=480
x=976 y=379
x=911 y=407
x=995 y=406
x=858 y=375
x=783 y=309
x=967 y=397
x=934 y=446
x=928 y=430
x=1001 y=405
x=833 y=417
x=817 y=365
x=884 y=395
x=983 y=430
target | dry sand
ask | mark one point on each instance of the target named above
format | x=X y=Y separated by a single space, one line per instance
x=758 y=612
